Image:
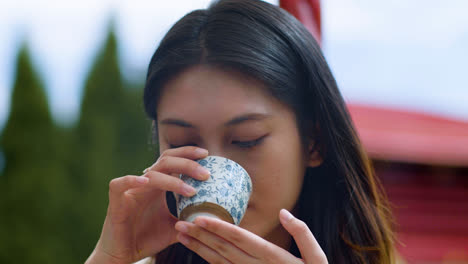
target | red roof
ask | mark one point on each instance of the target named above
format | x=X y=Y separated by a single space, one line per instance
x=405 y=136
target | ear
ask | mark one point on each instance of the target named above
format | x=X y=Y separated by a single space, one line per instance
x=314 y=158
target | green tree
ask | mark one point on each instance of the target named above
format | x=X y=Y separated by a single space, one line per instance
x=136 y=149
x=55 y=180
x=34 y=181
x=110 y=141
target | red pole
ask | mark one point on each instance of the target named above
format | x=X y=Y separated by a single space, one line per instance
x=308 y=12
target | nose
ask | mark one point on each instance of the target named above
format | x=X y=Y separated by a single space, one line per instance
x=216 y=149
x=216 y=152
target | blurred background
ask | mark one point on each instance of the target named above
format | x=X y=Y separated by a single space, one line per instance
x=71 y=113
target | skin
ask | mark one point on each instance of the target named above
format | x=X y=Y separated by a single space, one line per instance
x=208 y=111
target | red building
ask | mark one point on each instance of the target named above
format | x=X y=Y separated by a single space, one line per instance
x=422 y=161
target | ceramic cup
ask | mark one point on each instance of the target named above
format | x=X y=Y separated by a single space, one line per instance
x=225 y=195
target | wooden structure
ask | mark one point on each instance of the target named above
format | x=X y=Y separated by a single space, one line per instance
x=422 y=161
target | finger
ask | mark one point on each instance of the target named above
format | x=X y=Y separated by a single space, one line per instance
x=118 y=186
x=308 y=246
x=202 y=250
x=161 y=181
x=214 y=242
x=188 y=152
x=169 y=165
x=246 y=241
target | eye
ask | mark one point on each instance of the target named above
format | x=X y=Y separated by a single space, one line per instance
x=249 y=144
x=179 y=146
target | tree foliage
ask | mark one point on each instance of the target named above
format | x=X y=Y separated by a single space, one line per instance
x=34 y=181
x=55 y=180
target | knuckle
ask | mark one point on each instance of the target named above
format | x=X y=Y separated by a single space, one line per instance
x=178 y=184
x=322 y=258
x=162 y=161
x=300 y=227
x=267 y=248
x=192 y=165
x=213 y=227
x=219 y=247
x=151 y=174
x=235 y=239
x=113 y=184
x=165 y=153
x=195 y=232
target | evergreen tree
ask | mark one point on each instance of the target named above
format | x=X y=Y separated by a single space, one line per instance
x=136 y=149
x=111 y=141
x=55 y=180
x=34 y=183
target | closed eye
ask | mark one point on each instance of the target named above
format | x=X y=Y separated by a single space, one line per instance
x=250 y=143
x=179 y=146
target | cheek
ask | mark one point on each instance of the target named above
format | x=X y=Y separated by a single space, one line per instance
x=277 y=182
x=281 y=182
x=277 y=177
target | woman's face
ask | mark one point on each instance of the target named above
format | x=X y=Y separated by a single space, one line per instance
x=236 y=118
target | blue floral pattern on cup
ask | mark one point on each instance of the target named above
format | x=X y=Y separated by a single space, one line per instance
x=229 y=186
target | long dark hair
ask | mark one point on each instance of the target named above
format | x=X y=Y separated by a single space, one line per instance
x=341 y=200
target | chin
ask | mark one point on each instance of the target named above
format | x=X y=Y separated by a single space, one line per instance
x=248 y=217
x=254 y=222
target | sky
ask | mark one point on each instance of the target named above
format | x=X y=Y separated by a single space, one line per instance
x=401 y=54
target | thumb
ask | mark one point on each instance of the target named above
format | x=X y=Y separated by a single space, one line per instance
x=310 y=250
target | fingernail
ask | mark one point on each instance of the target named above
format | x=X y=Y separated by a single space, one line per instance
x=201 y=151
x=204 y=172
x=188 y=190
x=142 y=179
x=286 y=215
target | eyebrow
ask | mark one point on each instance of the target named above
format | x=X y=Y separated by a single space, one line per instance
x=235 y=121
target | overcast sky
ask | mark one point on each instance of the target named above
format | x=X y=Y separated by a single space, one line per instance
x=405 y=54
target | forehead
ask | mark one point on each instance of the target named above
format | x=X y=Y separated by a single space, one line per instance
x=213 y=93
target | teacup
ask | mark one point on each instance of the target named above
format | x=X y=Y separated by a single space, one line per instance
x=225 y=195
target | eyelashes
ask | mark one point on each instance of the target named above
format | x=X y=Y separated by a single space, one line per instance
x=249 y=144
x=241 y=144
x=179 y=146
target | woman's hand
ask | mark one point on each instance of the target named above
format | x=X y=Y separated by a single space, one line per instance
x=138 y=223
x=220 y=242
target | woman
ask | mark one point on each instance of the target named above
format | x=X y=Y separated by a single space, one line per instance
x=245 y=80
